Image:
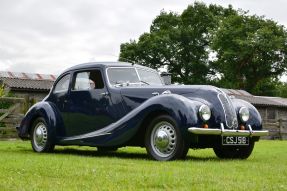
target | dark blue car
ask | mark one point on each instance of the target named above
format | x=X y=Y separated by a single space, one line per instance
x=112 y=105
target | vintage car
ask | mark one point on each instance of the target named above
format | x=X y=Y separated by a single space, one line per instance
x=112 y=105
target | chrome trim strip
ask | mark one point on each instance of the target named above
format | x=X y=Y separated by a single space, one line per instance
x=227 y=132
x=229 y=105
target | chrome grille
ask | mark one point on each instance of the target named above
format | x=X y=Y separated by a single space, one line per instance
x=229 y=111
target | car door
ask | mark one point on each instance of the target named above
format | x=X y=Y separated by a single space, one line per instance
x=59 y=97
x=89 y=104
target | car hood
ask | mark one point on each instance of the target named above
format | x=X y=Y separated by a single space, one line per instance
x=202 y=93
x=145 y=92
x=220 y=104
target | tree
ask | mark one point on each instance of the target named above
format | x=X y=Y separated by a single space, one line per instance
x=178 y=42
x=214 y=45
x=251 y=52
x=281 y=89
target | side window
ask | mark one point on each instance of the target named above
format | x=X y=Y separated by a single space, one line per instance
x=88 y=80
x=63 y=84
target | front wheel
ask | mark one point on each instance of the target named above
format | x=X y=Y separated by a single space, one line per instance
x=234 y=152
x=40 y=137
x=163 y=139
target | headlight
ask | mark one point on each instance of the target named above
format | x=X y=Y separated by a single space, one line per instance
x=244 y=114
x=204 y=112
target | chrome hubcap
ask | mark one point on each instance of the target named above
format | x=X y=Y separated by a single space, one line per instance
x=163 y=139
x=40 y=136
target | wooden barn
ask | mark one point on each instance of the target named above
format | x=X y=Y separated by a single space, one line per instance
x=34 y=86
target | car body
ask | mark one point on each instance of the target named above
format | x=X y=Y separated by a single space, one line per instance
x=111 y=105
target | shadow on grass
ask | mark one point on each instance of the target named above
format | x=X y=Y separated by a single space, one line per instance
x=123 y=155
x=91 y=153
x=112 y=154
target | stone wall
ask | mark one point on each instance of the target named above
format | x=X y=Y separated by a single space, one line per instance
x=37 y=96
x=274 y=120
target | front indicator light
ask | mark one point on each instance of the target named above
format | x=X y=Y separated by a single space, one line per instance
x=205 y=126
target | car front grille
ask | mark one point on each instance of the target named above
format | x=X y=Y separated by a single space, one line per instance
x=229 y=111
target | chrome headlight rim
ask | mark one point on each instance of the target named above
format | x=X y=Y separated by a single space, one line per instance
x=244 y=114
x=204 y=112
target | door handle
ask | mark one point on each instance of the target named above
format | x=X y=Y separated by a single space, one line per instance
x=105 y=93
x=155 y=93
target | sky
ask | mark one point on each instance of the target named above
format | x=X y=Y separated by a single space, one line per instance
x=48 y=36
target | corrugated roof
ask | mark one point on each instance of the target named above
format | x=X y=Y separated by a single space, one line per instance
x=262 y=101
x=256 y=100
x=32 y=76
x=236 y=92
x=27 y=84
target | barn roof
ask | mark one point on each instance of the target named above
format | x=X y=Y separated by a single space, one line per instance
x=27 y=84
x=27 y=81
x=31 y=76
x=257 y=100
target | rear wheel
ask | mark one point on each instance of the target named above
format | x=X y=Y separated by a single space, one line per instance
x=163 y=139
x=40 y=137
x=234 y=152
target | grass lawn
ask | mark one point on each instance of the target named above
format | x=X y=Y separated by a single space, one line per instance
x=82 y=168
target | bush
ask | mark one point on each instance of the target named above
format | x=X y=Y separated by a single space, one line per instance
x=2 y=91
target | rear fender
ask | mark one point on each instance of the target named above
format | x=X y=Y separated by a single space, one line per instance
x=44 y=109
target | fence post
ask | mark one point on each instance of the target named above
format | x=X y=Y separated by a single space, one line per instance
x=280 y=128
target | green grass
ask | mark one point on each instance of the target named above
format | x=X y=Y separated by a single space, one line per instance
x=82 y=168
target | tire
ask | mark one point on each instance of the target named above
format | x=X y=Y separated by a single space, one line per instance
x=234 y=152
x=163 y=139
x=41 y=137
x=107 y=149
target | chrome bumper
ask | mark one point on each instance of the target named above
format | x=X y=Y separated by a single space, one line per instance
x=227 y=132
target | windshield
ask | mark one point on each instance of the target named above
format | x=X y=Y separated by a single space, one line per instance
x=148 y=76
x=125 y=76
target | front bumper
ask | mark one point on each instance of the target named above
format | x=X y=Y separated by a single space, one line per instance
x=227 y=132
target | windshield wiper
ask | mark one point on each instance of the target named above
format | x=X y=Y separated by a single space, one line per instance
x=144 y=82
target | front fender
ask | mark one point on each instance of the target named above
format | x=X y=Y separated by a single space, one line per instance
x=180 y=108
x=255 y=119
x=44 y=109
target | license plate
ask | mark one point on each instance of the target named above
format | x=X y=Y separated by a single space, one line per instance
x=235 y=140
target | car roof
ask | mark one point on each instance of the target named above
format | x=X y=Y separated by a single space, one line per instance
x=103 y=65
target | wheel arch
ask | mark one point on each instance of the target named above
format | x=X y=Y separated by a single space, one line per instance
x=181 y=109
x=42 y=109
x=139 y=136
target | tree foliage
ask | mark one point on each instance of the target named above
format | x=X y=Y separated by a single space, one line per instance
x=251 y=52
x=179 y=42
x=215 y=45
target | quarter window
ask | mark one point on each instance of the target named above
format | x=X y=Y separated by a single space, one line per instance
x=88 y=80
x=63 y=84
